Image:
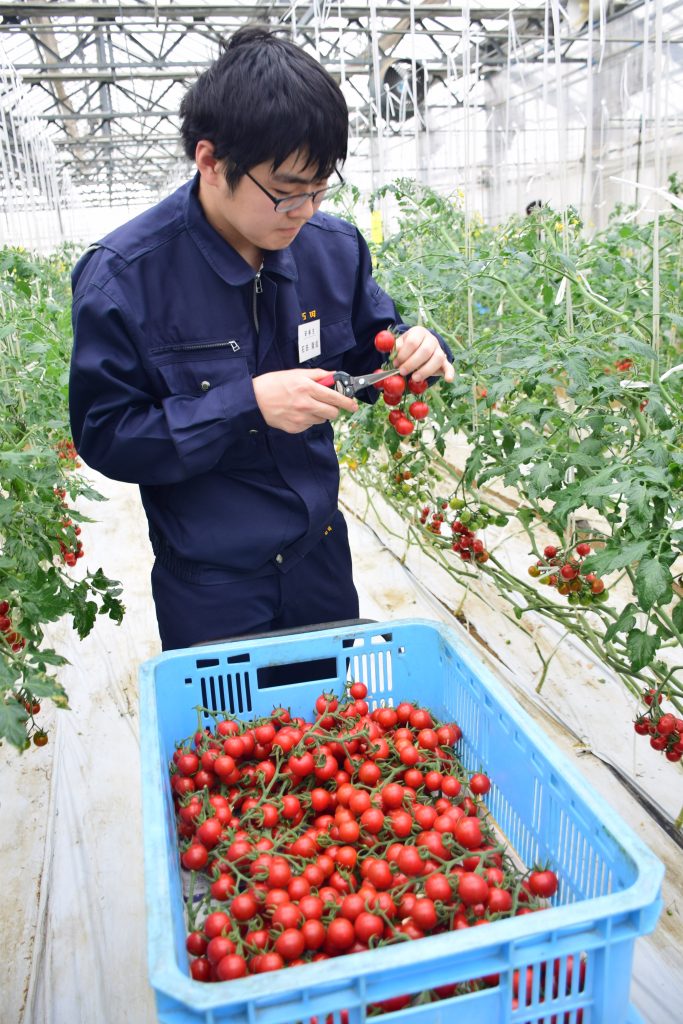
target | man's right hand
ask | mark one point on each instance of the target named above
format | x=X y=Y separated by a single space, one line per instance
x=292 y=401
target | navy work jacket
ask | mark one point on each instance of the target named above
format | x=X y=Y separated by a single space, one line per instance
x=170 y=326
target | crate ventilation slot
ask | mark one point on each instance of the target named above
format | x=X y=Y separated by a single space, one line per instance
x=229 y=693
x=375 y=670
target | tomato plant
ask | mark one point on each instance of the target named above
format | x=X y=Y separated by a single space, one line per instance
x=40 y=528
x=568 y=390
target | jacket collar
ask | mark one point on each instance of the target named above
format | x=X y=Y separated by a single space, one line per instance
x=220 y=255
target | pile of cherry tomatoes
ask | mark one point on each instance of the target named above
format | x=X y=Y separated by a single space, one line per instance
x=316 y=838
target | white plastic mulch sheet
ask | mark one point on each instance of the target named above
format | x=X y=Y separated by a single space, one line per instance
x=73 y=907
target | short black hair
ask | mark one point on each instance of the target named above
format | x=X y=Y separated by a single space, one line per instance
x=265 y=98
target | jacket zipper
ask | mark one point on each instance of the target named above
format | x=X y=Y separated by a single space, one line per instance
x=258 y=289
x=202 y=346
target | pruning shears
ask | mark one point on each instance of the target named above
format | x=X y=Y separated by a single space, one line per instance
x=347 y=385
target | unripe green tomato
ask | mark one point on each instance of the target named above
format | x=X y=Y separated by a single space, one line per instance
x=603 y=596
x=465 y=516
x=585 y=600
x=501 y=520
x=456 y=503
x=573 y=598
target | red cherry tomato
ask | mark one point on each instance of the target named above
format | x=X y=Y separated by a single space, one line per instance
x=384 y=341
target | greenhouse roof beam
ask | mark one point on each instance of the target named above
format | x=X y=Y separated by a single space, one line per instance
x=106 y=12
x=173 y=73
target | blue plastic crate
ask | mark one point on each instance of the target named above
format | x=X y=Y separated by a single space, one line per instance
x=609 y=881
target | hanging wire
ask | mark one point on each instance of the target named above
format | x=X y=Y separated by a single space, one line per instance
x=508 y=91
x=316 y=27
x=656 y=291
x=376 y=107
x=588 y=202
x=602 y=8
x=625 y=94
x=5 y=149
x=516 y=57
x=413 y=76
x=562 y=128
x=340 y=44
x=544 y=88
x=466 y=73
x=644 y=114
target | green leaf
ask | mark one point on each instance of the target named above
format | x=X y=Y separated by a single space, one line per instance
x=44 y=686
x=612 y=558
x=634 y=347
x=641 y=648
x=525 y=515
x=508 y=444
x=623 y=624
x=84 y=617
x=577 y=371
x=656 y=412
x=46 y=656
x=638 y=498
x=677 y=616
x=653 y=583
x=13 y=719
x=542 y=476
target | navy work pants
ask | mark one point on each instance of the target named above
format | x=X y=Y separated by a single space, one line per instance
x=319 y=588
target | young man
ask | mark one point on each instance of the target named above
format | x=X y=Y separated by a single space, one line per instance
x=201 y=329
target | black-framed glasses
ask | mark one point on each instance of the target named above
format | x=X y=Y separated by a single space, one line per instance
x=288 y=203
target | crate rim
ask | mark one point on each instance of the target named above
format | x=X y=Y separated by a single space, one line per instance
x=170 y=980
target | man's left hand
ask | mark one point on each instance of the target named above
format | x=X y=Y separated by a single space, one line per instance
x=419 y=354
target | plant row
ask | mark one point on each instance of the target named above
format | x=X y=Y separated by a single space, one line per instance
x=567 y=393
x=41 y=544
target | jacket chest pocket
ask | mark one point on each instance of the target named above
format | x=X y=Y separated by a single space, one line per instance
x=335 y=339
x=195 y=369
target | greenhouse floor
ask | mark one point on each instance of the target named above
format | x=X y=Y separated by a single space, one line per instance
x=73 y=913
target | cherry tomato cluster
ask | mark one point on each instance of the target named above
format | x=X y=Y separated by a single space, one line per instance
x=664 y=728
x=66 y=452
x=463 y=527
x=71 y=550
x=565 y=572
x=621 y=365
x=401 y=393
x=8 y=633
x=32 y=707
x=70 y=545
x=336 y=835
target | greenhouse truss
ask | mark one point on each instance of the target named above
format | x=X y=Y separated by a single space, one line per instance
x=509 y=102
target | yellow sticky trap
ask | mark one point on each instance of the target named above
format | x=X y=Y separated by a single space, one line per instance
x=376 y=230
